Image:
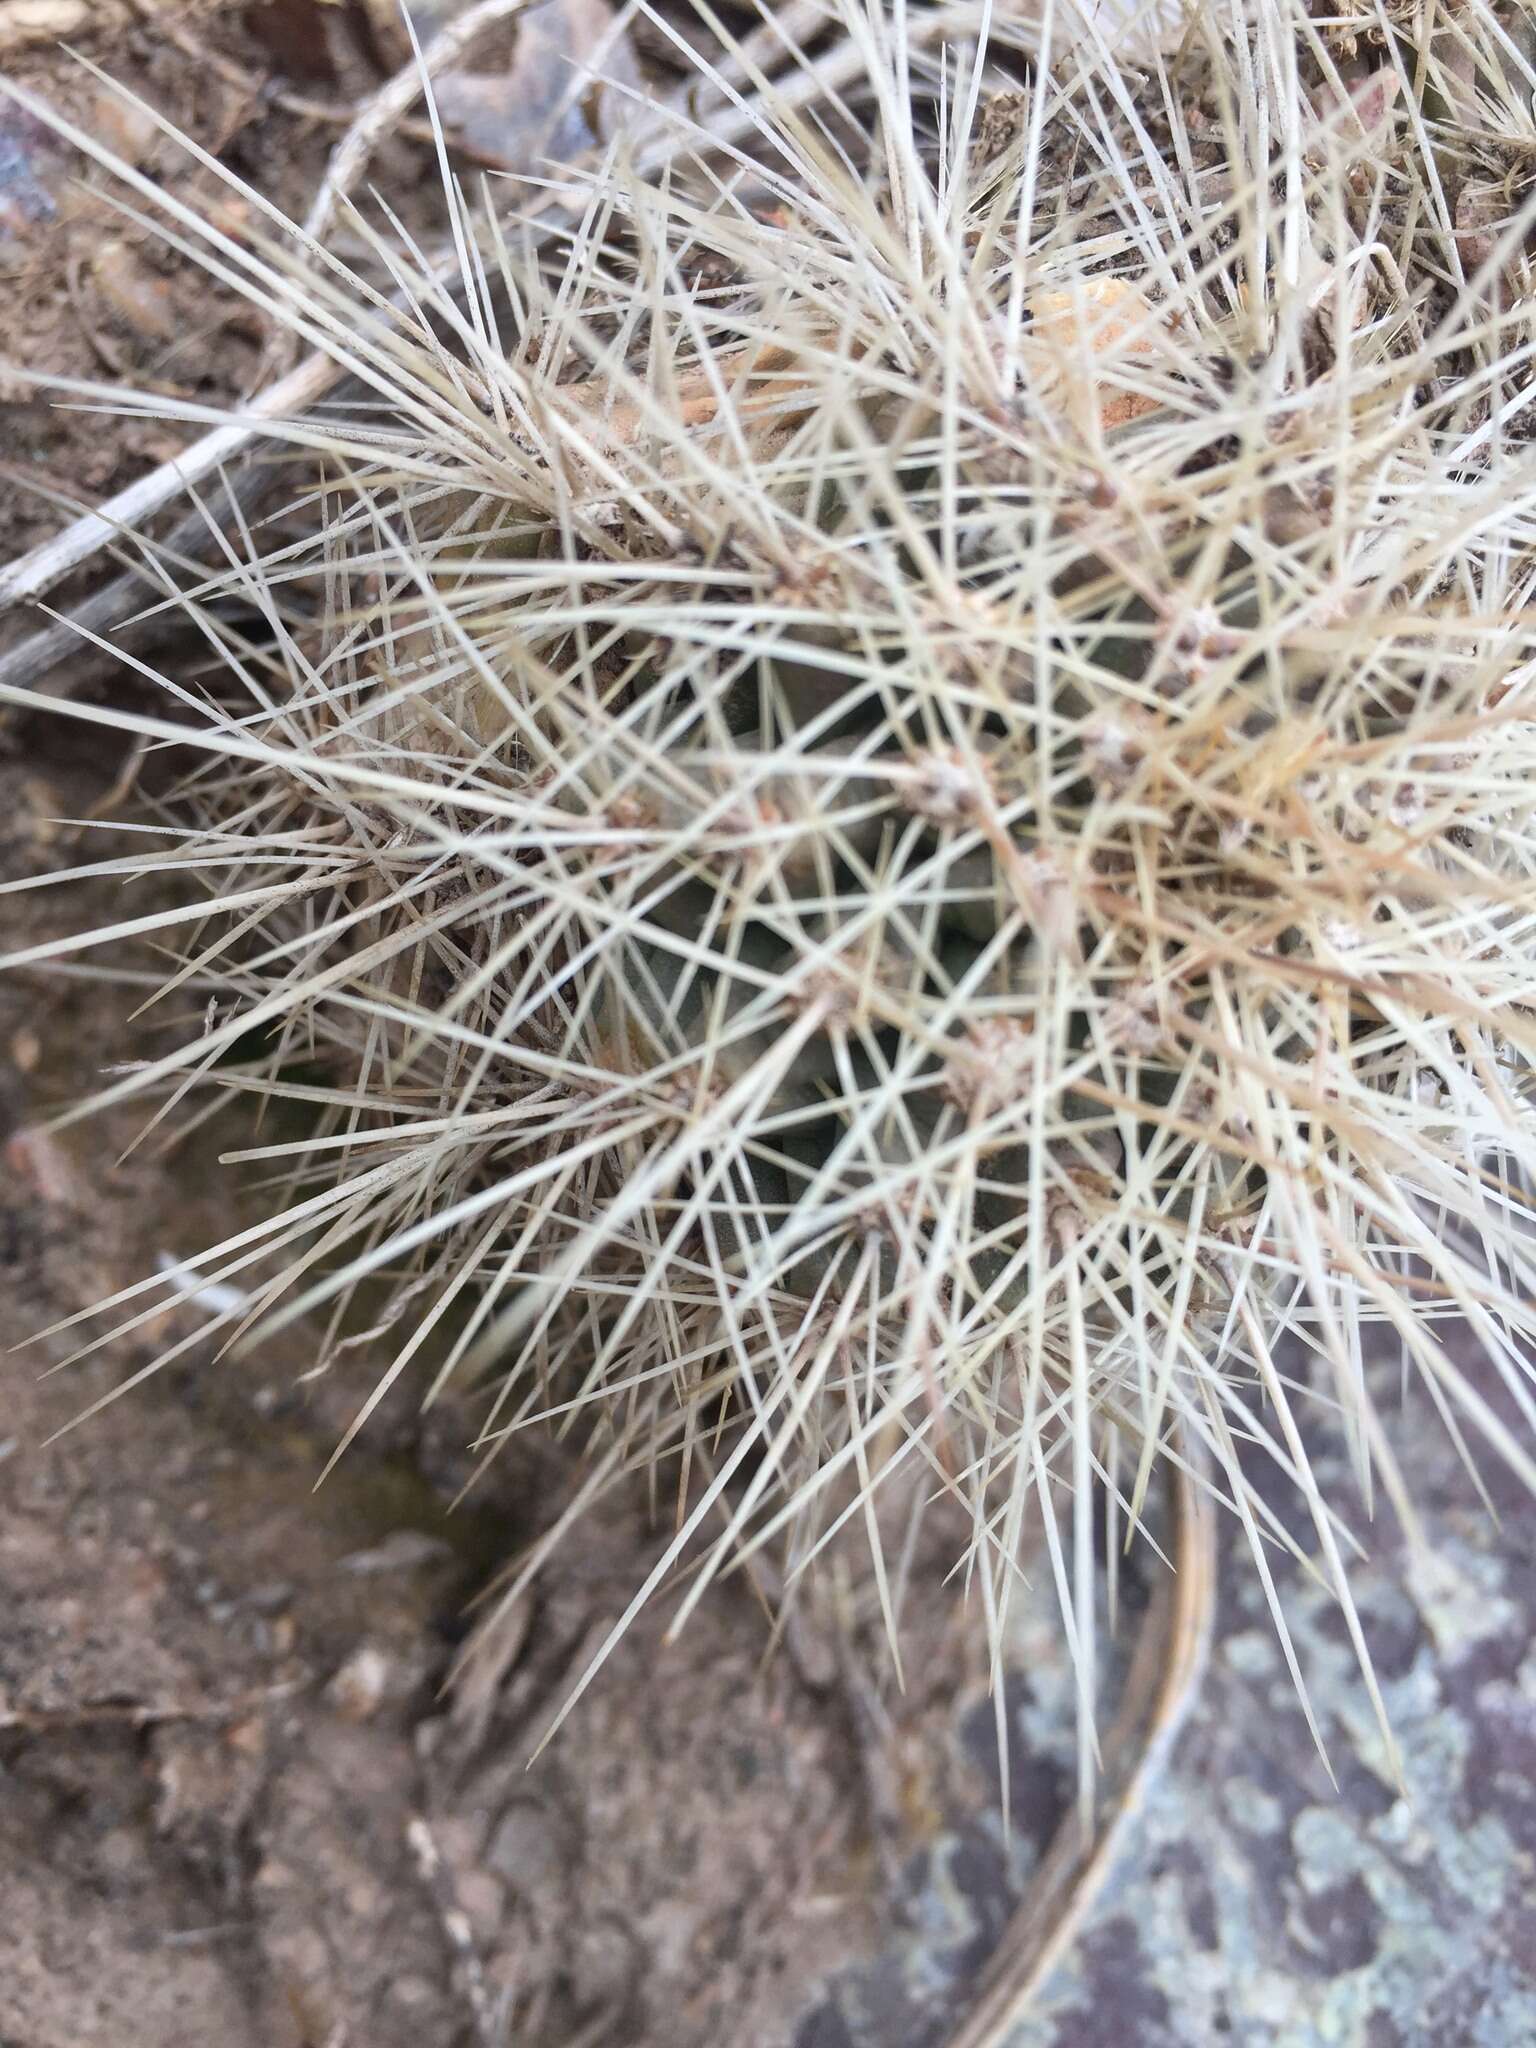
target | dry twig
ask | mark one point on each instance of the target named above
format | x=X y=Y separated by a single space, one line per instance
x=35 y=573
x=672 y=131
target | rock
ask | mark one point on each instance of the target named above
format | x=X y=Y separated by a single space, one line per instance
x=358 y=1688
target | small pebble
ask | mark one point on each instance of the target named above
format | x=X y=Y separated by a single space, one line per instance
x=128 y=131
x=25 y=22
x=359 y=1686
x=141 y=300
x=483 y=1900
x=33 y=167
x=527 y=1847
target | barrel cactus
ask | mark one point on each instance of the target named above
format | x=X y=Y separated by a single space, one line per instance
x=887 y=820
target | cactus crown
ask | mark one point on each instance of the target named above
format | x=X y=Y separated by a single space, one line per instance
x=907 y=827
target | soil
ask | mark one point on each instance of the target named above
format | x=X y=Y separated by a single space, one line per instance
x=239 y=1801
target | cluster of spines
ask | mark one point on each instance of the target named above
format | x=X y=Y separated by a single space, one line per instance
x=895 y=864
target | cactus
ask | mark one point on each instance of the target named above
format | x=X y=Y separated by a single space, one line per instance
x=898 y=854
